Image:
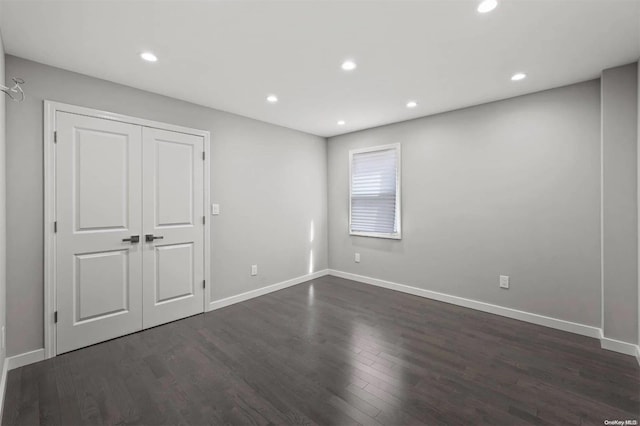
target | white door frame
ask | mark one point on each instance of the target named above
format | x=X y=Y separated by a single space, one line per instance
x=50 y=110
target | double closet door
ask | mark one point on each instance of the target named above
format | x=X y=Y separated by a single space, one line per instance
x=129 y=231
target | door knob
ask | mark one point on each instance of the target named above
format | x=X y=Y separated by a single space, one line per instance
x=133 y=239
x=149 y=238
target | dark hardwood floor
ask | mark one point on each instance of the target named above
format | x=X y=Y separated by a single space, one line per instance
x=332 y=352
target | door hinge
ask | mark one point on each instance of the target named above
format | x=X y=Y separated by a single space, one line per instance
x=55 y=316
x=55 y=227
x=55 y=137
x=203 y=155
x=204 y=283
x=204 y=218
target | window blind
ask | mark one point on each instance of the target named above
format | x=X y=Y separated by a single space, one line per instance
x=374 y=192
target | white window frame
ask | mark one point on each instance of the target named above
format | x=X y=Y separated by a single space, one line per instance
x=392 y=236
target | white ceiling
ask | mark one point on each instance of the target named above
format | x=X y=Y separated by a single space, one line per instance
x=230 y=55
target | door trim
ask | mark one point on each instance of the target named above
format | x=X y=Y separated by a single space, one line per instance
x=50 y=110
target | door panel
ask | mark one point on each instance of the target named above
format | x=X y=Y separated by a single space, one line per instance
x=174 y=275
x=101 y=180
x=98 y=205
x=101 y=285
x=174 y=184
x=173 y=191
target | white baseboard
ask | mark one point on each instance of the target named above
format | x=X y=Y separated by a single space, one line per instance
x=217 y=304
x=3 y=385
x=584 y=330
x=26 y=358
x=15 y=362
x=37 y=355
x=619 y=346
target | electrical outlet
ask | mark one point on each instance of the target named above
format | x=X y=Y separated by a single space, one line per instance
x=357 y=258
x=254 y=270
x=504 y=281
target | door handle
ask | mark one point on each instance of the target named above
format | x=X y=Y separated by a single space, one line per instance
x=133 y=239
x=149 y=238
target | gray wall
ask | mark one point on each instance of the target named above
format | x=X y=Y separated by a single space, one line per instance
x=270 y=182
x=619 y=203
x=510 y=187
x=3 y=182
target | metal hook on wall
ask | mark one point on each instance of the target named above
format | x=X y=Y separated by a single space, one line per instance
x=12 y=92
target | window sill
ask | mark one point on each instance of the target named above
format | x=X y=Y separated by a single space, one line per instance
x=397 y=236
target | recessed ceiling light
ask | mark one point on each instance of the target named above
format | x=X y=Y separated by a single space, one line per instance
x=349 y=65
x=487 y=6
x=412 y=104
x=341 y=123
x=148 y=56
x=518 y=76
x=272 y=99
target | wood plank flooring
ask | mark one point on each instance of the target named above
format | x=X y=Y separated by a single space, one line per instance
x=332 y=352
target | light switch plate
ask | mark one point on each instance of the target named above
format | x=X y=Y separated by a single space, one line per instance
x=215 y=209
x=357 y=258
x=254 y=270
x=504 y=281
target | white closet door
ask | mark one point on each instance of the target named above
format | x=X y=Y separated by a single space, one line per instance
x=98 y=207
x=173 y=259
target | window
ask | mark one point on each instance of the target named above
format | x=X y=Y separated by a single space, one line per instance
x=375 y=192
